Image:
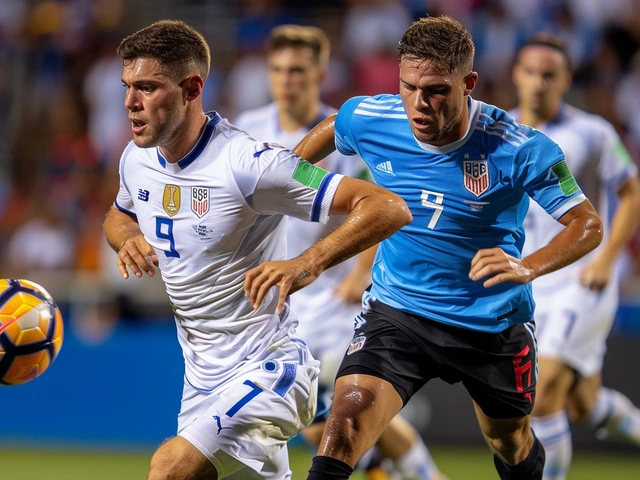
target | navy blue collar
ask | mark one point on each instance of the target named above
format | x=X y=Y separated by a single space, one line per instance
x=207 y=133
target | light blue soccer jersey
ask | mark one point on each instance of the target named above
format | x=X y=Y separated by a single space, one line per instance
x=465 y=196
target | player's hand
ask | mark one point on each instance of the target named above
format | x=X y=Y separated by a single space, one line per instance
x=596 y=275
x=289 y=275
x=499 y=267
x=137 y=255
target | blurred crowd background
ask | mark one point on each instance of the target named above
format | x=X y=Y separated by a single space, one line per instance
x=63 y=125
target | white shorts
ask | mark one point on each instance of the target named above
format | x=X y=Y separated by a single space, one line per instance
x=247 y=421
x=573 y=323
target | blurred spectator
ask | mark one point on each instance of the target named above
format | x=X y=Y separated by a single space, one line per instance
x=627 y=101
x=63 y=124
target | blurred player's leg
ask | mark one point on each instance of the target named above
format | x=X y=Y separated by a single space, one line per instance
x=411 y=457
x=554 y=433
x=549 y=419
x=609 y=413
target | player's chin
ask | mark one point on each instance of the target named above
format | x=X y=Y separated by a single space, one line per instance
x=144 y=141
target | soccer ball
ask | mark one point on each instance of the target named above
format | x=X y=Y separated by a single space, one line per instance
x=30 y=331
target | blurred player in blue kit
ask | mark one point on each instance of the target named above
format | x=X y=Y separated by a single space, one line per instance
x=205 y=202
x=451 y=294
x=297 y=59
x=576 y=306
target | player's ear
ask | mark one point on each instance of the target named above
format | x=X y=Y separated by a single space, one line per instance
x=470 y=82
x=192 y=86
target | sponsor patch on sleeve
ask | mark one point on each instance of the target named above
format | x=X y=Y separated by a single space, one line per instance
x=309 y=175
x=568 y=184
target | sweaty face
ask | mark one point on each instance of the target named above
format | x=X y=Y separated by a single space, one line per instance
x=155 y=103
x=294 y=77
x=541 y=77
x=435 y=100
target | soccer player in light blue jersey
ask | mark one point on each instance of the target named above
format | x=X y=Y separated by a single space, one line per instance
x=297 y=59
x=451 y=294
x=205 y=202
x=576 y=305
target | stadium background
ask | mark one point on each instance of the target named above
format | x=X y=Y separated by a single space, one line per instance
x=116 y=384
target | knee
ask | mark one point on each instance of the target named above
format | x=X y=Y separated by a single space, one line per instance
x=578 y=412
x=348 y=422
x=164 y=466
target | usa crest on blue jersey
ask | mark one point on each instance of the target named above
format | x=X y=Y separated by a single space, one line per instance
x=476 y=176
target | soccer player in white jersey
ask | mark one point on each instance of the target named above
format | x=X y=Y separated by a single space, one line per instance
x=576 y=306
x=205 y=202
x=297 y=58
x=450 y=296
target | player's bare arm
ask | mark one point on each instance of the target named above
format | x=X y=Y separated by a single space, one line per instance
x=319 y=142
x=124 y=236
x=624 y=224
x=374 y=214
x=582 y=233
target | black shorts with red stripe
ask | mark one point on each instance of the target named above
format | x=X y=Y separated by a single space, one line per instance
x=499 y=370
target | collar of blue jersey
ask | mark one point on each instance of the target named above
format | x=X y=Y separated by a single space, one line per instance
x=207 y=133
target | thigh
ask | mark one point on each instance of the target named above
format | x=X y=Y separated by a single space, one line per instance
x=178 y=458
x=499 y=371
x=381 y=347
x=249 y=419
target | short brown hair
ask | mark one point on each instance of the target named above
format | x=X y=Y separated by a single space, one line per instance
x=441 y=39
x=173 y=43
x=550 y=40
x=314 y=38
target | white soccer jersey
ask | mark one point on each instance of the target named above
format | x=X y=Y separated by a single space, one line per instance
x=573 y=322
x=600 y=164
x=326 y=324
x=211 y=217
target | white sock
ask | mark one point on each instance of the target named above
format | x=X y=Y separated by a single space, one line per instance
x=417 y=463
x=554 y=433
x=615 y=416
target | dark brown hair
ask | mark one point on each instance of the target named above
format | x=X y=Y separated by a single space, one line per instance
x=286 y=36
x=172 y=43
x=549 y=40
x=441 y=39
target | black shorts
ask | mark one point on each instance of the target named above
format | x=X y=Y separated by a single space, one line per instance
x=499 y=370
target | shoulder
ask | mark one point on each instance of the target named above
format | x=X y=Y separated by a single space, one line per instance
x=503 y=128
x=585 y=122
x=385 y=105
x=250 y=119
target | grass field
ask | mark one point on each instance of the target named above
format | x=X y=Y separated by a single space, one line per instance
x=457 y=463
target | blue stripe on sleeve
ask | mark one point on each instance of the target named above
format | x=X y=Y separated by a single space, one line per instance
x=317 y=202
x=124 y=210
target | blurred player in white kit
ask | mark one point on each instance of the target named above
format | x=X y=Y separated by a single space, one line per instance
x=576 y=305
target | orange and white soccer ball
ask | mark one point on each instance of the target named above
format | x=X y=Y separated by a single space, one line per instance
x=31 y=331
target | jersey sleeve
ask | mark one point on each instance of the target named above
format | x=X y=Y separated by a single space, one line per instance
x=124 y=200
x=542 y=171
x=344 y=129
x=277 y=181
x=616 y=165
